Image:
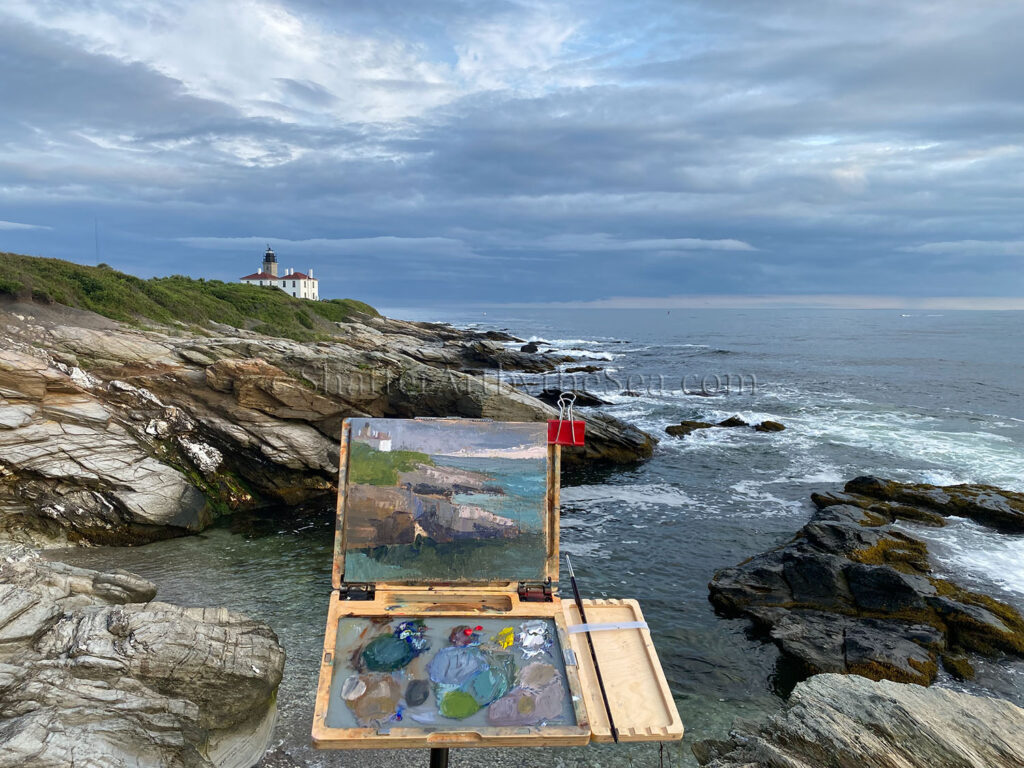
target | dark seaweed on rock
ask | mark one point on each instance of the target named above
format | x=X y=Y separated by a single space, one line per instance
x=850 y=594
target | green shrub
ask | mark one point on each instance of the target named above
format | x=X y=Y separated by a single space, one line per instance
x=41 y=296
x=10 y=287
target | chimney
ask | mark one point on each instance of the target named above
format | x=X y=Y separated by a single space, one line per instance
x=310 y=273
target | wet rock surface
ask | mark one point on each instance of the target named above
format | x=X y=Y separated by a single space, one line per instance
x=583 y=399
x=851 y=594
x=985 y=504
x=92 y=669
x=684 y=428
x=115 y=435
x=852 y=722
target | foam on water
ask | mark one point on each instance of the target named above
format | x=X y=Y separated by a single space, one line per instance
x=637 y=497
x=585 y=354
x=569 y=342
x=978 y=456
x=766 y=502
x=964 y=548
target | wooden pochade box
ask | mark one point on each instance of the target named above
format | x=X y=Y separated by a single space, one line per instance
x=445 y=627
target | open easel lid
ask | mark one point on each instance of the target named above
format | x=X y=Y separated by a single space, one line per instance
x=470 y=502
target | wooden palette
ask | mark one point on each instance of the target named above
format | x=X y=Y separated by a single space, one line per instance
x=438 y=605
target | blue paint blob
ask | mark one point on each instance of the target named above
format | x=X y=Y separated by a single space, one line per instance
x=454 y=666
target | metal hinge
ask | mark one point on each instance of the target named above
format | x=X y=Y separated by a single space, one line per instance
x=534 y=592
x=356 y=591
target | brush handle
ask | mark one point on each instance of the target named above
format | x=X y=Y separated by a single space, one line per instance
x=593 y=655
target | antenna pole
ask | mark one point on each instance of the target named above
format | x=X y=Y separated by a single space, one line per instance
x=593 y=653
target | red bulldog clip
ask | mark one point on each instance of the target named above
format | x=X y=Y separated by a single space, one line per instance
x=564 y=430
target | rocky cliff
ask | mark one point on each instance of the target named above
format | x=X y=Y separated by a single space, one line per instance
x=111 y=433
x=851 y=722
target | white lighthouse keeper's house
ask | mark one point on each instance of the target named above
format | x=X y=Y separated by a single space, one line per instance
x=297 y=284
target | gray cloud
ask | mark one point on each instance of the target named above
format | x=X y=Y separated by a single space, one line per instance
x=502 y=149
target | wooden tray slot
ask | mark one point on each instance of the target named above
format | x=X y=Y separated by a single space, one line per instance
x=427 y=602
x=641 y=702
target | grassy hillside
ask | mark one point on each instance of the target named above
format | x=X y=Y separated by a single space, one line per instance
x=373 y=467
x=178 y=298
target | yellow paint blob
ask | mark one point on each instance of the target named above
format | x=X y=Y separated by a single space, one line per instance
x=505 y=638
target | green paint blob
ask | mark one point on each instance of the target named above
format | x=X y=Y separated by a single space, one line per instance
x=458 y=705
x=387 y=653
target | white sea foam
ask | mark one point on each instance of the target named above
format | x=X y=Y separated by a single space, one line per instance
x=588 y=549
x=635 y=497
x=978 y=456
x=567 y=342
x=585 y=354
x=964 y=548
x=767 y=503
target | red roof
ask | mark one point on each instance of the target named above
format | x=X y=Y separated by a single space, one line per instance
x=265 y=276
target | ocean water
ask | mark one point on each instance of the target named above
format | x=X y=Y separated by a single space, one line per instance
x=934 y=397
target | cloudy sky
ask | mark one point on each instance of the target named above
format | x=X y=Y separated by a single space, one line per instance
x=506 y=151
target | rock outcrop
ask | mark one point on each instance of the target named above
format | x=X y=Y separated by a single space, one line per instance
x=93 y=672
x=583 y=398
x=851 y=722
x=851 y=594
x=985 y=504
x=118 y=435
x=684 y=428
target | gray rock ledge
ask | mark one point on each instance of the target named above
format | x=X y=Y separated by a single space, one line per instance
x=93 y=673
x=851 y=722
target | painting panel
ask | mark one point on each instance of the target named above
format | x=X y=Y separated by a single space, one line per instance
x=445 y=501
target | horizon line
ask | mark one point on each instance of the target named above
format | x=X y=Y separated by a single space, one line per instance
x=763 y=301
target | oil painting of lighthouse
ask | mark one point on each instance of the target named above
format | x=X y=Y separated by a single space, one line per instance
x=445 y=501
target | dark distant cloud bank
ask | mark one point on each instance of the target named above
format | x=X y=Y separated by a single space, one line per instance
x=505 y=151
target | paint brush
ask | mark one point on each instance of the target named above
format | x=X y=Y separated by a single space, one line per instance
x=593 y=653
